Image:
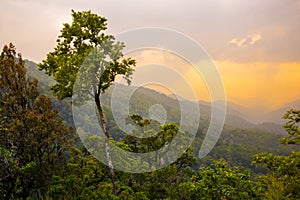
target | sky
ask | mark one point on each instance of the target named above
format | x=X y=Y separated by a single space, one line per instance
x=254 y=44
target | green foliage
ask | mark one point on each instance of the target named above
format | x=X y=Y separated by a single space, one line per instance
x=236 y=146
x=219 y=181
x=86 y=178
x=33 y=139
x=76 y=42
x=285 y=170
x=274 y=188
x=292 y=127
x=79 y=179
x=158 y=137
x=84 y=47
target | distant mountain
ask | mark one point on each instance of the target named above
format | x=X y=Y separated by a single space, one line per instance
x=251 y=114
x=243 y=134
x=34 y=72
x=237 y=116
x=262 y=115
x=276 y=115
x=293 y=104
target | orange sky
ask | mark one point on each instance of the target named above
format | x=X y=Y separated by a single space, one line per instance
x=273 y=84
x=255 y=44
x=250 y=84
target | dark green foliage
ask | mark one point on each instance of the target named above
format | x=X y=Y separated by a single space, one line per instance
x=86 y=178
x=284 y=180
x=33 y=138
x=219 y=181
x=237 y=147
x=34 y=141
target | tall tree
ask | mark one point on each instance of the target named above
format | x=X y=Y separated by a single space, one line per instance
x=33 y=138
x=76 y=42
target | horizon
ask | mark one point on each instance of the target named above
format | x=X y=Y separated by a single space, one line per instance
x=167 y=92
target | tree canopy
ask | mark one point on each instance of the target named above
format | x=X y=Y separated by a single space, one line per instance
x=40 y=160
x=76 y=42
x=33 y=138
x=86 y=54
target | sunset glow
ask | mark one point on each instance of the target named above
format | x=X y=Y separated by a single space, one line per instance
x=255 y=49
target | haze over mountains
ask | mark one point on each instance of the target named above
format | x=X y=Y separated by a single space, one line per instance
x=237 y=115
x=258 y=115
x=240 y=133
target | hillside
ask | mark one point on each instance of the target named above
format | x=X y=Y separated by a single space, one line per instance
x=143 y=98
x=239 y=135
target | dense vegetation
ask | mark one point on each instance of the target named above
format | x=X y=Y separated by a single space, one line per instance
x=41 y=156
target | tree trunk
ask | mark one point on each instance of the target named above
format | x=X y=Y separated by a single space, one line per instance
x=104 y=128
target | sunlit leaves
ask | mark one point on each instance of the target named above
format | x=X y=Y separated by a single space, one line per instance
x=292 y=127
x=83 y=43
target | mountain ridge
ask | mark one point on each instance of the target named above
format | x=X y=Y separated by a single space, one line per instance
x=235 y=116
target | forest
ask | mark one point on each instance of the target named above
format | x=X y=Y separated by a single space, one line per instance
x=43 y=157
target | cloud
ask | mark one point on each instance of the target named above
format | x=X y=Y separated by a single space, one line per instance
x=250 y=41
x=212 y=23
x=246 y=41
